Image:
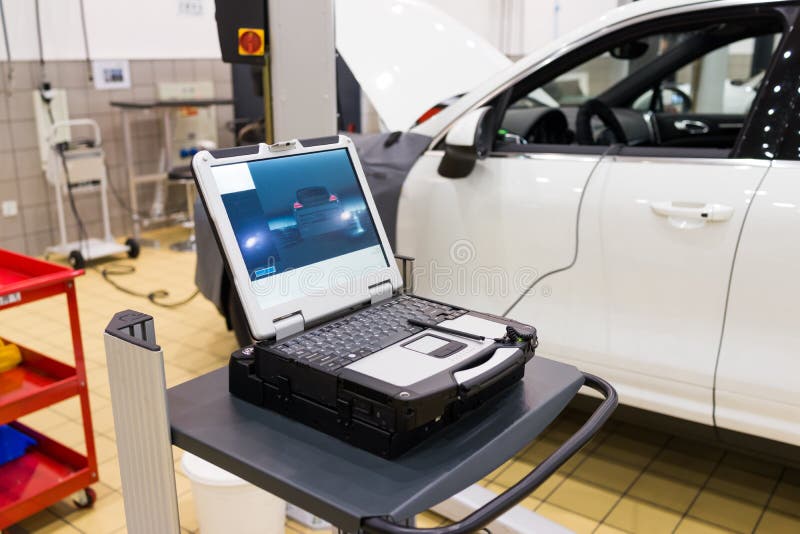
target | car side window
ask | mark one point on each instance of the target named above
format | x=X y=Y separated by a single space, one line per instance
x=593 y=77
x=725 y=80
x=689 y=88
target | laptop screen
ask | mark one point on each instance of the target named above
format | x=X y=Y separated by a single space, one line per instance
x=304 y=213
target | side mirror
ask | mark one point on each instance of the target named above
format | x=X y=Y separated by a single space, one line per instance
x=629 y=50
x=675 y=100
x=469 y=140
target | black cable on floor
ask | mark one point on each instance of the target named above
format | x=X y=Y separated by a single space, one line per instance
x=121 y=269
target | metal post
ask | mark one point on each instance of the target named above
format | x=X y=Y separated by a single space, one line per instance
x=129 y=167
x=139 y=404
x=167 y=139
x=61 y=190
x=303 y=99
x=104 y=203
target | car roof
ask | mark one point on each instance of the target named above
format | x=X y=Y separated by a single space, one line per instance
x=611 y=21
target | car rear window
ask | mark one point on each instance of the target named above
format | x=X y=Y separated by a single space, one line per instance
x=312 y=194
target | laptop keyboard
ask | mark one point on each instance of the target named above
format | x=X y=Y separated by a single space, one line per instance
x=342 y=342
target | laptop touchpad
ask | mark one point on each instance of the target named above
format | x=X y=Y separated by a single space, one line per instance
x=435 y=346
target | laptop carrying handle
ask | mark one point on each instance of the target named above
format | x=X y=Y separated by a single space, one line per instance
x=503 y=502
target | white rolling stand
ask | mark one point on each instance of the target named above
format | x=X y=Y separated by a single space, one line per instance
x=74 y=170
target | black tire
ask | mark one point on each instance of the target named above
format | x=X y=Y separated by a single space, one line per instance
x=133 y=247
x=237 y=318
x=76 y=260
x=88 y=500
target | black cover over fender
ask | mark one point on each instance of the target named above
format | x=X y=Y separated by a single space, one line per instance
x=387 y=159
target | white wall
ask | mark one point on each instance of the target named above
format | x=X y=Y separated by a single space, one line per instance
x=153 y=29
x=117 y=29
x=518 y=27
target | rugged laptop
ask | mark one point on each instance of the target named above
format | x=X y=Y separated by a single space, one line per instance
x=339 y=346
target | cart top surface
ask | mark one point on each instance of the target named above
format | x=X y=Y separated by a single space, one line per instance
x=147 y=104
x=20 y=273
x=343 y=484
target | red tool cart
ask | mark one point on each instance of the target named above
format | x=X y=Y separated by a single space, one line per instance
x=48 y=472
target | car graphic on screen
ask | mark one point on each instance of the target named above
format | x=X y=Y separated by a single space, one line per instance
x=317 y=211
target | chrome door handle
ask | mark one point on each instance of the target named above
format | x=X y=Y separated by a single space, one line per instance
x=691 y=127
x=693 y=210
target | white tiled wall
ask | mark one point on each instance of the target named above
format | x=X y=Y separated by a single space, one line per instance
x=21 y=177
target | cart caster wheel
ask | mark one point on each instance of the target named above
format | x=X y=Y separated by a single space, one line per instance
x=85 y=499
x=76 y=259
x=133 y=247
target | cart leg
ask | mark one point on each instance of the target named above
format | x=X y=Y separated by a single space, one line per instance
x=104 y=206
x=167 y=140
x=80 y=368
x=134 y=201
x=157 y=208
x=190 y=243
x=190 y=205
x=62 y=223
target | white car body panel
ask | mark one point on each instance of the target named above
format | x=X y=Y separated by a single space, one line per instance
x=660 y=395
x=759 y=362
x=508 y=220
x=666 y=277
x=645 y=302
x=398 y=60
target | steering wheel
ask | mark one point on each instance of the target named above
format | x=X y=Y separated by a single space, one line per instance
x=583 y=122
x=551 y=128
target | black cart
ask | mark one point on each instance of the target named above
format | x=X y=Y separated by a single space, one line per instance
x=352 y=489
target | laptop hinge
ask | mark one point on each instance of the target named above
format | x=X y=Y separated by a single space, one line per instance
x=288 y=324
x=380 y=291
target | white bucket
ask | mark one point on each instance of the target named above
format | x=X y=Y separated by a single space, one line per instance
x=225 y=503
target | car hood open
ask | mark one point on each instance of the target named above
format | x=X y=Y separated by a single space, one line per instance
x=408 y=56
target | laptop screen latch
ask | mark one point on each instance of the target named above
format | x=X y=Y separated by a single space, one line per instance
x=288 y=325
x=283 y=145
x=380 y=291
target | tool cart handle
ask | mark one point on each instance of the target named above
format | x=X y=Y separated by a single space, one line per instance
x=503 y=502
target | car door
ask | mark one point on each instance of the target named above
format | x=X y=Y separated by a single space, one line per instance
x=755 y=388
x=631 y=270
x=670 y=223
x=669 y=229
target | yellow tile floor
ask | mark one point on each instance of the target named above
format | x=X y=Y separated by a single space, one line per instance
x=628 y=479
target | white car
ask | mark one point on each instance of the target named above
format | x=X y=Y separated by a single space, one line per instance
x=657 y=248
